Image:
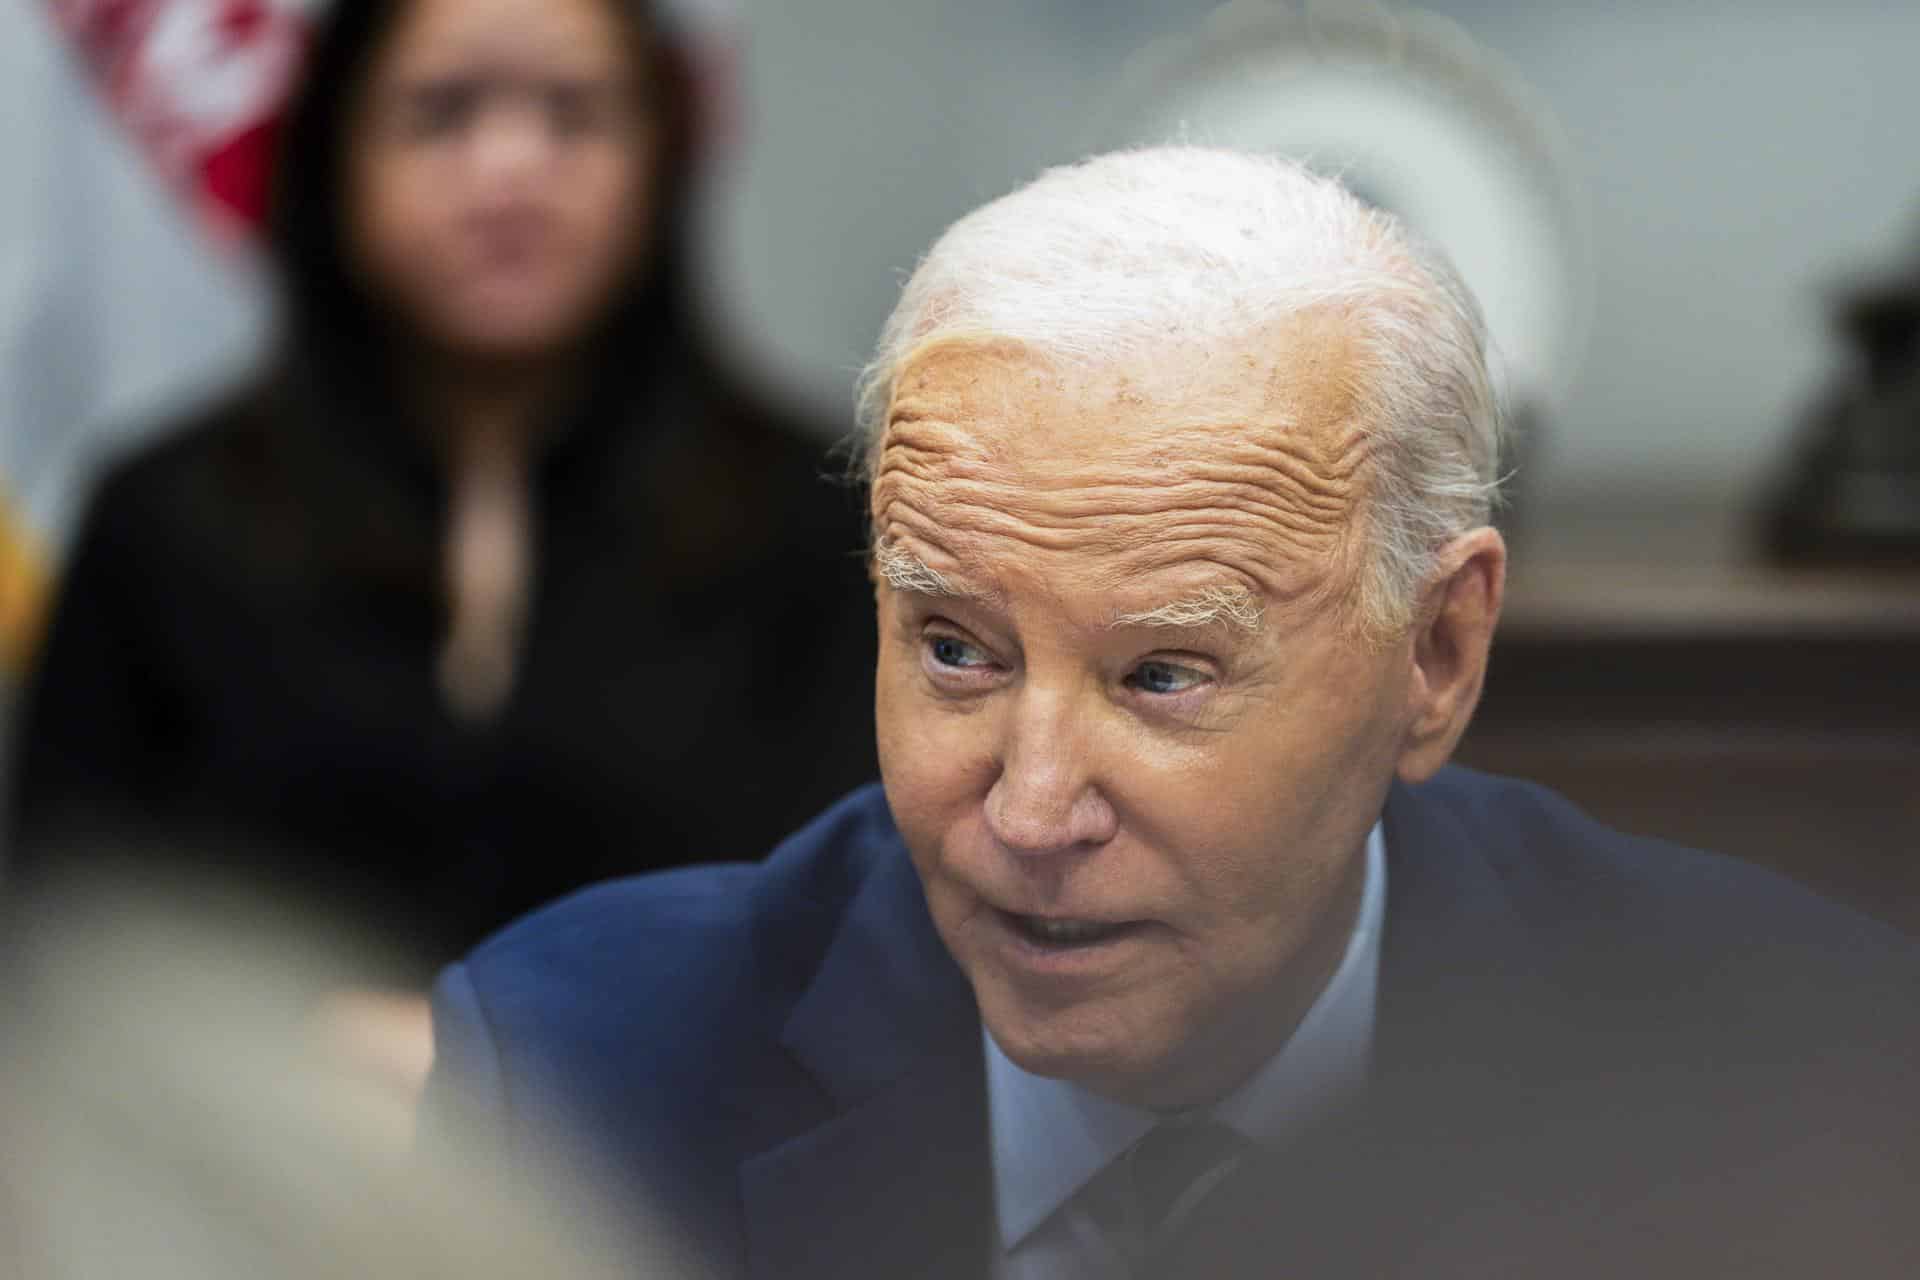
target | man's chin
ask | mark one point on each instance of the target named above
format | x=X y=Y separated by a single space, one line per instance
x=1085 y=1046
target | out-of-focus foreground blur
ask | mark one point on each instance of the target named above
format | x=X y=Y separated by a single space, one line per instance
x=171 y=1108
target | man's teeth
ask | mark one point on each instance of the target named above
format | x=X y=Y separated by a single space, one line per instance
x=1066 y=931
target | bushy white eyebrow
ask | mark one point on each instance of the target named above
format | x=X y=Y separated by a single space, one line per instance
x=904 y=571
x=1235 y=606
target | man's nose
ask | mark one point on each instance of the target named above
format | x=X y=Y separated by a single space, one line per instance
x=1046 y=798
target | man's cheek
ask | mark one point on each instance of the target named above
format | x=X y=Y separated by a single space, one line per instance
x=922 y=756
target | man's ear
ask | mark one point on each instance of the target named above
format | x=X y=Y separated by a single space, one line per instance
x=1453 y=632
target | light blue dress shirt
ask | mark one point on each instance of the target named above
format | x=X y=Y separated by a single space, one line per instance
x=1062 y=1204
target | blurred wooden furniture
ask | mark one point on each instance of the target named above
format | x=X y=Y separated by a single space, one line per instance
x=1653 y=669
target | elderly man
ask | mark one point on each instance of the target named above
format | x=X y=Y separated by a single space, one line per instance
x=1169 y=939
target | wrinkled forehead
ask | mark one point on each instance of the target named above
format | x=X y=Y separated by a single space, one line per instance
x=1247 y=457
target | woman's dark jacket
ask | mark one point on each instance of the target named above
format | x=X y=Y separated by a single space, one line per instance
x=241 y=667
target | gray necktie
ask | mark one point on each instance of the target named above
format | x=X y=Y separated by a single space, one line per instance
x=1173 y=1170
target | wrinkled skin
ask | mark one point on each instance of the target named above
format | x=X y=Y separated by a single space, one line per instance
x=1061 y=737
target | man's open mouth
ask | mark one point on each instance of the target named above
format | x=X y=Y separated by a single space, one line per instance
x=1049 y=931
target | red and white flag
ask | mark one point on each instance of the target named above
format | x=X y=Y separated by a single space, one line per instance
x=137 y=152
x=200 y=84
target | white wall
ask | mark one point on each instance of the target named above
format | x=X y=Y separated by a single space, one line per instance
x=1739 y=158
x=1742 y=159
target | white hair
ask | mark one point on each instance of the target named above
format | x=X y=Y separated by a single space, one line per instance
x=1128 y=257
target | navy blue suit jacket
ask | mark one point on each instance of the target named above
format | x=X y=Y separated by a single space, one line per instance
x=1573 y=1025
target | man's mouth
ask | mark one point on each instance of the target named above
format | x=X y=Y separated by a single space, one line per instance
x=1052 y=931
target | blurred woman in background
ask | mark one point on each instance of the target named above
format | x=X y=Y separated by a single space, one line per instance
x=495 y=584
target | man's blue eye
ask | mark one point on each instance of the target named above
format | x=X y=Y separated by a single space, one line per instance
x=949 y=652
x=1163 y=677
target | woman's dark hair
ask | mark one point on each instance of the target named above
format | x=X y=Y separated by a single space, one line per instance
x=305 y=232
x=328 y=469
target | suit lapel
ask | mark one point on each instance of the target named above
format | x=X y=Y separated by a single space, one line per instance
x=1458 y=961
x=1461 y=1043
x=897 y=1180
x=1357 y=1193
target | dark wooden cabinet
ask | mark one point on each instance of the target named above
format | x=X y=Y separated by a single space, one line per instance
x=1674 y=685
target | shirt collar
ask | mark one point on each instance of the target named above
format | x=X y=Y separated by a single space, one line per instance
x=1050 y=1138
